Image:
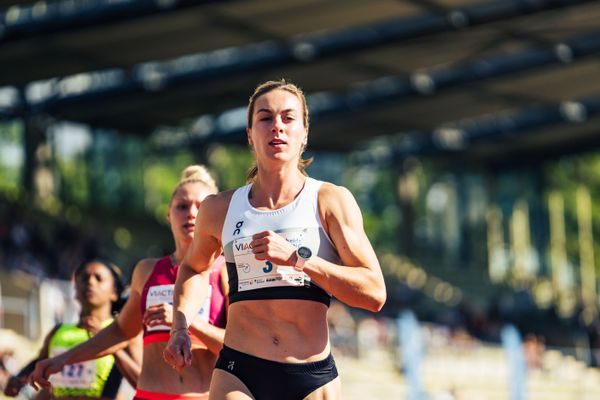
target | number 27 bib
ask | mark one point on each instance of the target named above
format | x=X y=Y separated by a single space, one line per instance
x=79 y=375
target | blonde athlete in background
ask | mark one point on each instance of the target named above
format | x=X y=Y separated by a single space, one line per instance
x=290 y=243
x=98 y=288
x=149 y=308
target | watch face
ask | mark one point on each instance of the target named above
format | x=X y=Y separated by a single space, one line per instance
x=304 y=252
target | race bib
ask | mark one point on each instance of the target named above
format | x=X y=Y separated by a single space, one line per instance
x=257 y=274
x=160 y=294
x=77 y=376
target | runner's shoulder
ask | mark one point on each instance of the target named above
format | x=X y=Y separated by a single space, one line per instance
x=331 y=194
x=142 y=271
x=218 y=203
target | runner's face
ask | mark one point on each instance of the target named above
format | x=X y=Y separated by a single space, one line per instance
x=278 y=131
x=184 y=209
x=95 y=285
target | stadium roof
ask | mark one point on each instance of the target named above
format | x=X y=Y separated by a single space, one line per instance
x=468 y=77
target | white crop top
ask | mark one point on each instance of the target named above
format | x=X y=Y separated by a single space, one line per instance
x=299 y=222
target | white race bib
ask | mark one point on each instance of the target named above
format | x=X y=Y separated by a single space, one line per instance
x=256 y=274
x=160 y=294
x=78 y=376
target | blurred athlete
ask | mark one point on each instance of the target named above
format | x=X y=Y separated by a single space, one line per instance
x=98 y=288
x=149 y=309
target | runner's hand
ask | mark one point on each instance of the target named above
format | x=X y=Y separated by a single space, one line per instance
x=178 y=353
x=270 y=246
x=43 y=369
x=158 y=314
x=14 y=386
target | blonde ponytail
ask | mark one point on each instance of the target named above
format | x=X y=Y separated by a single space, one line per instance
x=197 y=173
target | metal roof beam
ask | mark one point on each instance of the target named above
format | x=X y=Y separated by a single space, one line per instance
x=18 y=22
x=155 y=76
x=230 y=125
x=455 y=137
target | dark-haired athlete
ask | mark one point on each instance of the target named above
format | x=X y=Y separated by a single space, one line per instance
x=98 y=288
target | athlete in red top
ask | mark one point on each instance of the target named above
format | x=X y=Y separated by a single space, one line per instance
x=158 y=291
x=151 y=292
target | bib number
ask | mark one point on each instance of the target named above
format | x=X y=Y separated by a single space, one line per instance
x=78 y=376
x=268 y=268
x=255 y=274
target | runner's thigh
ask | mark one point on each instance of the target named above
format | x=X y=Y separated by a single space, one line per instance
x=331 y=391
x=225 y=386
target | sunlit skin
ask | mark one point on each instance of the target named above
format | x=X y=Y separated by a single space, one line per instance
x=278 y=132
x=155 y=375
x=284 y=330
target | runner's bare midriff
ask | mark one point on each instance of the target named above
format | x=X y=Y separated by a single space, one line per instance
x=283 y=330
x=158 y=376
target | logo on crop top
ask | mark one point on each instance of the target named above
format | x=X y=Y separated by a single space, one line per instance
x=238 y=225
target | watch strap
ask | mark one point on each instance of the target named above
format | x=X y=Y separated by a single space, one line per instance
x=299 y=263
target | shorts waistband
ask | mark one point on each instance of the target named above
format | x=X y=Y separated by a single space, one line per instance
x=163 y=337
x=308 y=366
